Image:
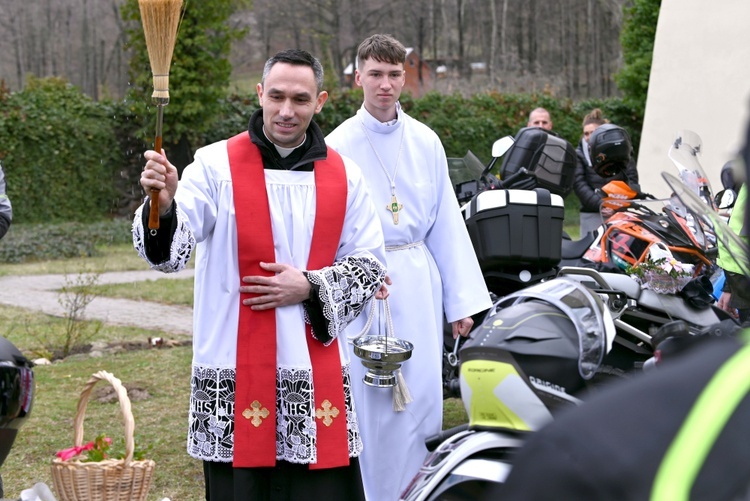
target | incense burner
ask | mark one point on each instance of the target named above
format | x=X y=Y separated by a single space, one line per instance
x=382 y=356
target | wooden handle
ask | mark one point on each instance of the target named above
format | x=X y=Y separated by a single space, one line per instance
x=153 y=215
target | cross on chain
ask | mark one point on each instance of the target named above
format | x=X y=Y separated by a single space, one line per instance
x=394 y=208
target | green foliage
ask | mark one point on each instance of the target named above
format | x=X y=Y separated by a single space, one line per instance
x=637 y=40
x=341 y=104
x=199 y=73
x=102 y=449
x=93 y=153
x=59 y=153
x=234 y=117
x=25 y=243
x=474 y=123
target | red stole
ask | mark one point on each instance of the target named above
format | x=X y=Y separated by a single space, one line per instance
x=255 y=393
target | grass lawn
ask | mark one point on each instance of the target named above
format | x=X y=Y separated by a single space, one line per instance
x=119 y=257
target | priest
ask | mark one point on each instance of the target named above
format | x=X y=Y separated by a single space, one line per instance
x=286 y=256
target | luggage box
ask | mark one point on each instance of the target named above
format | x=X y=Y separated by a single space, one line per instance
x=512 y=229
x=550 y=158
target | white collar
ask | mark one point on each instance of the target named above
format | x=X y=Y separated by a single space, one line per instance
x=284 y=152
x=379 y=127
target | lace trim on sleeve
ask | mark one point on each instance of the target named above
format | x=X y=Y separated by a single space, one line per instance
x=180 y=249
x=345 y=289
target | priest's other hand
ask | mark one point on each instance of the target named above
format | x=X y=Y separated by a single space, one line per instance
x=159 y=174
x=288 y=286
x=383 y=292
x=462 y=327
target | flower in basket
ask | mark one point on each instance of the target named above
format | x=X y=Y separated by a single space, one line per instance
x=99 y=450
x=661 y=272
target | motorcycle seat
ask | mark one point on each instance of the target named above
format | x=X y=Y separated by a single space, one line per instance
x=575 y=249
x=673 y=305
x=624 y=283
x=677 y=308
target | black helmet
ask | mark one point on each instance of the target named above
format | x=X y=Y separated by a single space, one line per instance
x=16 y=394
x=610 y=149
x=534 y=351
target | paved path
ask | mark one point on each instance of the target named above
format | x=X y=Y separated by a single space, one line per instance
x=41 y=293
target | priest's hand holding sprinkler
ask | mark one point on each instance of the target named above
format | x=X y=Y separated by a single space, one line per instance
x=160 y=19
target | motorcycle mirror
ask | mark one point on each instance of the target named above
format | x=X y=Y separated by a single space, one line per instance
x=501 y=146
x=725 y=199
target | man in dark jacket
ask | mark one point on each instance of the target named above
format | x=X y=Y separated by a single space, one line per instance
x=679 y=432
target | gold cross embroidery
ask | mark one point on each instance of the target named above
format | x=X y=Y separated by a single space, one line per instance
x=257 y=414
x=326 y=413
x=394 y=208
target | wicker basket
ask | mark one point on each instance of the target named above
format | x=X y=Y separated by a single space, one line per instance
x=111 y=479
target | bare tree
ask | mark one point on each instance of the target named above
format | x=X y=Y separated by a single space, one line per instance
x=73 y=39
x=570 y=48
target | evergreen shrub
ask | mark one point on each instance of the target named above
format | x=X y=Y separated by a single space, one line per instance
x=59 y=153
x=40 y=242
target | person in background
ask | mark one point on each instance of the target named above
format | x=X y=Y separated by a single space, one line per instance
x=430 y=260
x=286 y=256
x=539 y=117
x=6 y=210
x=735 y=296
x=587 y=182
x=728 y=178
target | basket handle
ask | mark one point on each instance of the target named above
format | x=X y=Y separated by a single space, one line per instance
x=127 y=414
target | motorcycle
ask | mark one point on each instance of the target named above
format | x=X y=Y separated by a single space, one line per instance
x=538 y=351
x=637 y=221
x=535 y=173
x=637 y=225
x=542 y=348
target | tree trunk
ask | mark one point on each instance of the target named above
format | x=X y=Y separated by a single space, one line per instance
x=493 y=41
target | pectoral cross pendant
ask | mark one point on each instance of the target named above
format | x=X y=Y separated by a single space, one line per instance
x=394 y=208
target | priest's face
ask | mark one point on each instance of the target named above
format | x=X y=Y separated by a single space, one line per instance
x=289 y=97
x=382 y=83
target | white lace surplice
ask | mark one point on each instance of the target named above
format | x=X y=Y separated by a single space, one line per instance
x=205 y=213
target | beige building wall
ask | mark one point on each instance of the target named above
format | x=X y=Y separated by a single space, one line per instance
x=700 y=80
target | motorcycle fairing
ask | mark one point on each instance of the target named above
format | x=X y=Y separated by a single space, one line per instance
x=628 y=238
x=467 y=461
x=515 y=405
x=711 y=218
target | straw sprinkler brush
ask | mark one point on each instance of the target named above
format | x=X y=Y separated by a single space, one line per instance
x=160 y=19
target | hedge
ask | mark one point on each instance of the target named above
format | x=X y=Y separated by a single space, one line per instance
x=68 y=158
x=59 y=153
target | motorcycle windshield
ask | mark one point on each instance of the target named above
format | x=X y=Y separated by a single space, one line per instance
x=684 y=154
x=468 y=168
x=730 y=241
x=587 y=312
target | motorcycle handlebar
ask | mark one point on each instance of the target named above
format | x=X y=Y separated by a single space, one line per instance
x=513 y=178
